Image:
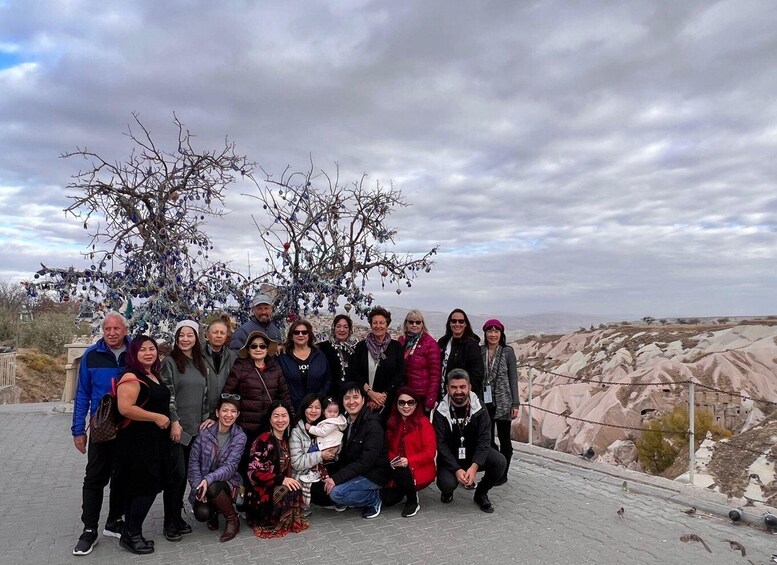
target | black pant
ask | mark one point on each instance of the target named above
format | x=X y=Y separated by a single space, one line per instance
x=318 y=496
x=204 y=510
x=405 y=487
x=503 y=428
x=135 y=510
x=176 y=487
x=494 y=468
x=99 y=466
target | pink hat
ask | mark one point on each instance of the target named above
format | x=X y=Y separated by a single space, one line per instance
x=494 y=323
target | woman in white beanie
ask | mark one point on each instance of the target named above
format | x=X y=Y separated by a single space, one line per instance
x=186 y=375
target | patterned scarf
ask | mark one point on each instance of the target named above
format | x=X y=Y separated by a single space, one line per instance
x=377 y=350
x=344 y=349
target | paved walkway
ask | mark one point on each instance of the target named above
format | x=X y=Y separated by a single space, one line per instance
x=551 y=511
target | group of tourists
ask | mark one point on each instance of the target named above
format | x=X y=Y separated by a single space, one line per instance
x=269 y=429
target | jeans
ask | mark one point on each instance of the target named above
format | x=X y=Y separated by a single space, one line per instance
x=356 y=493
x=98 y=472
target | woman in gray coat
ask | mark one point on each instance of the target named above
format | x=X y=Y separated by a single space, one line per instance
x=500 y=388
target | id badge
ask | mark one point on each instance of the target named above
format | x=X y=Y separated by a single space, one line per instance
x=487 y=397
x=462 y=453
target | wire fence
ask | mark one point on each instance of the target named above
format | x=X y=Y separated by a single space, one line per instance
x=689 y=434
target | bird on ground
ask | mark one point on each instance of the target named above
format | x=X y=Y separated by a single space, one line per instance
x=694 y=537
x=736 y=546
x=770 y=520
x=690 y=511
x=588 y=453
x=621 y=511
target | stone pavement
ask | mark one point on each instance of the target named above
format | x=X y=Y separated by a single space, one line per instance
x=553 y=510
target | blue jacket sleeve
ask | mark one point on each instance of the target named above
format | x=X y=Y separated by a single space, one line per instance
x=83 y=398
x=195 y=473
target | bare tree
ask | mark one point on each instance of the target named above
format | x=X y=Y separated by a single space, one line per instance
x=146 y=219
x=324 y=239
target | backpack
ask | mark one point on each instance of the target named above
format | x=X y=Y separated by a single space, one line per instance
x=107 y=421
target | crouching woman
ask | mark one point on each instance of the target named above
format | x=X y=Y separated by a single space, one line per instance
x=213 y=473
x=275 y=505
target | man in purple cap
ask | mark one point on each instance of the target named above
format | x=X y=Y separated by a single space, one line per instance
x=260 y=321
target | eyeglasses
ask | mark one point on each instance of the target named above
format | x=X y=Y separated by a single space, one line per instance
x=259 y=345
x=228 y=396
x=414 y=322
x=300 y=332
x=410 y=402
x=455 y=321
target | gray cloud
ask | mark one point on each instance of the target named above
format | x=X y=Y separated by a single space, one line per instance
x=607 y=158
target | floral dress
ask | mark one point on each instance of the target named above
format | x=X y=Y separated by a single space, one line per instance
x=273 y=510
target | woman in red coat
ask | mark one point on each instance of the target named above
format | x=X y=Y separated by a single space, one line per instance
x=423 y=364
x=412 y=446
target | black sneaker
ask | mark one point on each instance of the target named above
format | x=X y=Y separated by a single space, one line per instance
x=372 y=511
x=446 y=498
x=114 y=528
x=171 y=533
x=86 y=543
x=411 y=509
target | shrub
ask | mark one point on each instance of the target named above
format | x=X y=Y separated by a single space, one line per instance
x=50 y=331
x=658 y=448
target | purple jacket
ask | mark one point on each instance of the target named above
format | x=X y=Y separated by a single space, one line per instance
x=206 y=448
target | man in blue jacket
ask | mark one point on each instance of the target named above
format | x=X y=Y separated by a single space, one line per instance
x=100 y=364
x=260 y=321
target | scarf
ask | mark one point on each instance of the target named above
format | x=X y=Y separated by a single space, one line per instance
x=377 y=350
x=344 y=349
x=411 y=343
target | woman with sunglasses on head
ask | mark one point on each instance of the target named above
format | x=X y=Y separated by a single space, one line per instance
x=412 y=446
x=259 y=381
x=213 y=474
x=304 y=365
x=378 y=363
x=338 y=350
x=460 y=350
x=500 y=388
x=185 y=373
x=422 y=360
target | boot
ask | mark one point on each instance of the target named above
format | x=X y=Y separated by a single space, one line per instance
x=223 y=503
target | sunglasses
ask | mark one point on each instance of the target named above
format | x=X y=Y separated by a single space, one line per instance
x=414 y=322
x=300 y=332
x=228 y=396
x=453 y=321
x=410 y=402
x=259 y=346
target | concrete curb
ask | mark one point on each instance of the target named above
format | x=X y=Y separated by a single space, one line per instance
x=705 y=500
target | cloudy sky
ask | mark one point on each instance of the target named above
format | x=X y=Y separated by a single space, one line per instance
x=610 y=158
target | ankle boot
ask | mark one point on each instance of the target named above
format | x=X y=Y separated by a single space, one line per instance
x=223 y=503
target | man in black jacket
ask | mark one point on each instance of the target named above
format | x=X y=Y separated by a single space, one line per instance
x=464 y=443
x=363 y=467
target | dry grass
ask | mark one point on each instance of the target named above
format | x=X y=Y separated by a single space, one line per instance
x=39 y=377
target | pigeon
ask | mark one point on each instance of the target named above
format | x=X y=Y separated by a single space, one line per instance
x=589 y=453
x=693 y=537
x=690 y=511
x=621 y=511
x=770 y=520
x=736 y=546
